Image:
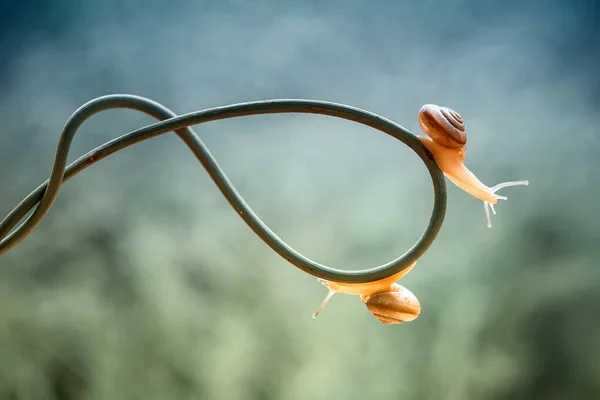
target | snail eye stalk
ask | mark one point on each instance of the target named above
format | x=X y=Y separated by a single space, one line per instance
x=489 y=206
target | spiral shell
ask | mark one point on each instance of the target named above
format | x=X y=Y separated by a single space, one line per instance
x=443 y=125
x=395 y=306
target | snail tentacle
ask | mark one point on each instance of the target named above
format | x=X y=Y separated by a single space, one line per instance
x=324 y=303
x=493 y=190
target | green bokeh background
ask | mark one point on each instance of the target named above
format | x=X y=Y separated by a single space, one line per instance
x=142 y=282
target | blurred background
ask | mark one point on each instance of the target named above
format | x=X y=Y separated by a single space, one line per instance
x=143 y=283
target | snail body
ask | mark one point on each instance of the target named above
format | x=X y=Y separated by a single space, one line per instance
x=388 y=301
x=446 y=140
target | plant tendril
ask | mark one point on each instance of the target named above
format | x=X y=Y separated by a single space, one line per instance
x=45 y=195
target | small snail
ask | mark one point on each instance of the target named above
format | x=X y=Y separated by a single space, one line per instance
x=446 y=140
x=389 y=302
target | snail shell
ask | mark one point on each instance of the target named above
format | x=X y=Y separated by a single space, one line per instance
x=443 y=125
x=394 y=306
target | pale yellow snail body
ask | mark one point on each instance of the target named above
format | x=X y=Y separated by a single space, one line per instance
x=446 y=140
x=389 y=302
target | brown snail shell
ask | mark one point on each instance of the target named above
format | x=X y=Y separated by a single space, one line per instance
x=395 y=306
x=443 y=125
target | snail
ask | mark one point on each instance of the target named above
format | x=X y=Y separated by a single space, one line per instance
x=389 y=302
x=446 y=140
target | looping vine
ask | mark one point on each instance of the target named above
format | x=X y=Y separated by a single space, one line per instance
x=45 y=195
